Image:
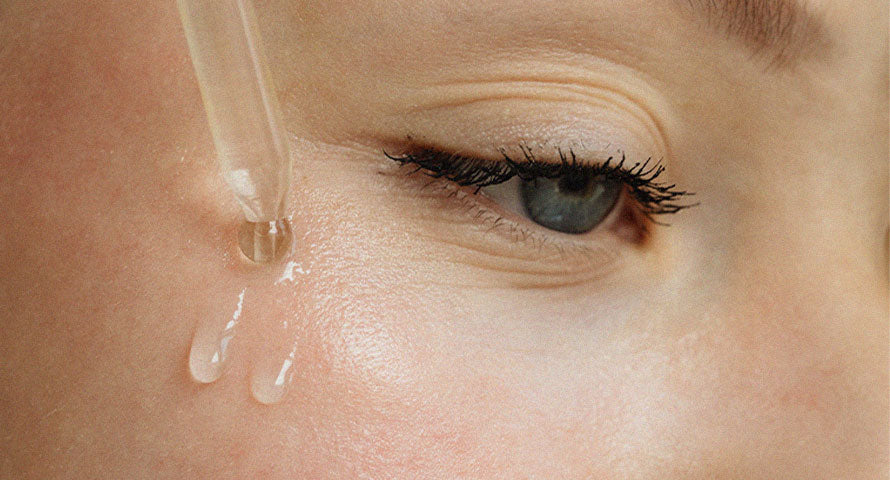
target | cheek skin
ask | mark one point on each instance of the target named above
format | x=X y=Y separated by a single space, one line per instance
x=400 y=385
x=399 y=395
x=458 y=410
x=383 y=413
x=762 y=371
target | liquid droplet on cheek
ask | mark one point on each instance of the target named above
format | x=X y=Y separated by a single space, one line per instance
x=272 y=378
x=273 y=359
x=211 y=345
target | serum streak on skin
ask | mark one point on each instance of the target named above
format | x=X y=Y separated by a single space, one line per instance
x=274 y=369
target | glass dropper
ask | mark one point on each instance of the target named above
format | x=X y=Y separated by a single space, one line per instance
x=244 y=118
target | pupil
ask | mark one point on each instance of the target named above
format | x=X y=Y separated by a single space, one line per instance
x=574 y=184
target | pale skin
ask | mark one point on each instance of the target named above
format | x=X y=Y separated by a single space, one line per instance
x=748 y=339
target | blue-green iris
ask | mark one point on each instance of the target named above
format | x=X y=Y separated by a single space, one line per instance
x=574 y=203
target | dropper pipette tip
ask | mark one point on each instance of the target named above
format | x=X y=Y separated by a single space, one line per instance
x=244 y=117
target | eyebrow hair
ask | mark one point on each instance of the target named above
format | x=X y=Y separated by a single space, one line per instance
x=782 y=31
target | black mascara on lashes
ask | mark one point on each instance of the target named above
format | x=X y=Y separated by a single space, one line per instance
x=653 y=197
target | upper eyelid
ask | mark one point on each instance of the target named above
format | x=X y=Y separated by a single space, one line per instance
x=497 y=171
x=655 y=197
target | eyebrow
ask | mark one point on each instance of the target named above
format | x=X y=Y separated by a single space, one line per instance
x=782 y=31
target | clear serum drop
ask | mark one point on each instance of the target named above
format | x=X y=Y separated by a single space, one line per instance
x=265 y=242
x=211 y=344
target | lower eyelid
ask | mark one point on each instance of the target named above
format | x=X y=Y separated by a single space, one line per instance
x=501 y=240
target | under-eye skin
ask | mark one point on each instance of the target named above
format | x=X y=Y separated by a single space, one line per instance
x=568 y=195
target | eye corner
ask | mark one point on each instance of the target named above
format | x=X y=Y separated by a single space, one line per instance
x=632 y=224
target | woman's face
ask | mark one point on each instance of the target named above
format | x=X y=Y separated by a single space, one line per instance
x=438 y=333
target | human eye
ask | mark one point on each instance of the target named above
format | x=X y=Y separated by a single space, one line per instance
x=566 y=195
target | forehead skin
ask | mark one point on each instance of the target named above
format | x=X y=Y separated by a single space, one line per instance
x=761 y=353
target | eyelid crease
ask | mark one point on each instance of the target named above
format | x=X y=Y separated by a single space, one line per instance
x=575 y=86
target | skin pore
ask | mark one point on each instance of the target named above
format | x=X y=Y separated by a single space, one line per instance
x=748 y=339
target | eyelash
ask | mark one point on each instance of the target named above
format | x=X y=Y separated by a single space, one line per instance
x=653 y=197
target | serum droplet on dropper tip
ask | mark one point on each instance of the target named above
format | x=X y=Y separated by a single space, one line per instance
x=265 y=242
